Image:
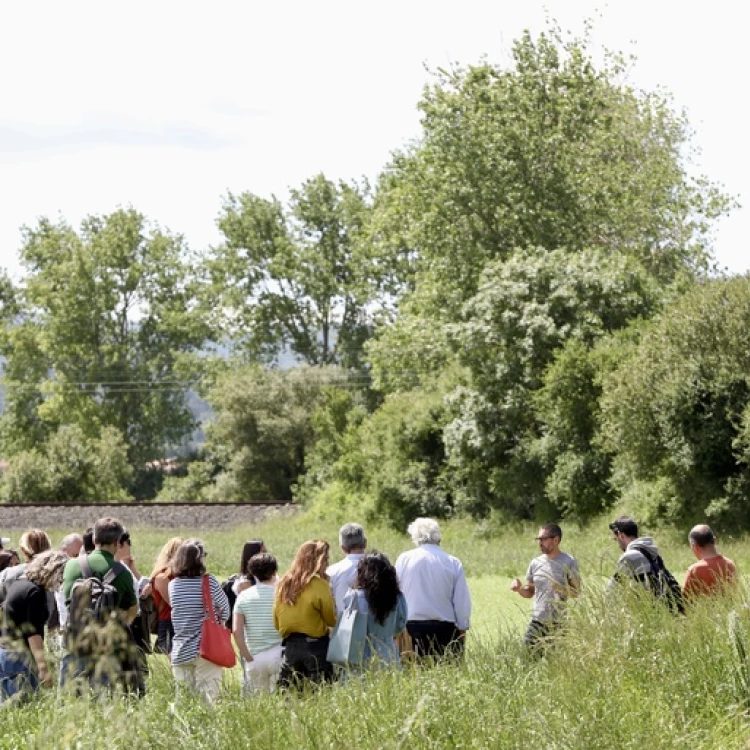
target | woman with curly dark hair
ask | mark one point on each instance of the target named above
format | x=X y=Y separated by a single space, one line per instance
x=378 y=595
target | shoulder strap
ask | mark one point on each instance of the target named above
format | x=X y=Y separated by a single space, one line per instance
x=86 y=572
x=113 y=572
x=653 y=560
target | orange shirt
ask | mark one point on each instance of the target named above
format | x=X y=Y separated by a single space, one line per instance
x=709 y=576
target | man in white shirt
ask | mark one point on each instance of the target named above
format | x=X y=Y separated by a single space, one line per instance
x=437 y=595
x=343 y=574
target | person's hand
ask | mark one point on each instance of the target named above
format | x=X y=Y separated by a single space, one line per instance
x=146 y=591
x=462 y=634
x=45 y=678
x=516 y=585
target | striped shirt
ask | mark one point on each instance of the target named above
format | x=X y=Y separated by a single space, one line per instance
x=256 y=606
x=186 y=597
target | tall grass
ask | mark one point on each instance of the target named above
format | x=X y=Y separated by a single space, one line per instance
x=624 y=674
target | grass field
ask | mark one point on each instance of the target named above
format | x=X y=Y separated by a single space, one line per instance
x=626 y=674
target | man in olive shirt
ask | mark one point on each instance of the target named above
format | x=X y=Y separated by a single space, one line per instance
x=107 y=532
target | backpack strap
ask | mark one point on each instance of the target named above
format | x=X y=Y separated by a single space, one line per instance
x=86 y=572
x=113 y=572
x=654 y=561
x=108 y=577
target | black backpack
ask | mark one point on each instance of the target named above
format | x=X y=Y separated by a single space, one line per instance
x=661 y=582
x=93 y=627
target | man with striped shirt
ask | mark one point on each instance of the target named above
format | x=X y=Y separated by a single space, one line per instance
x=257 y=639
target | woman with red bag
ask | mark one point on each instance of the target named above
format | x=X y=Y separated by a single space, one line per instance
x=189 y=592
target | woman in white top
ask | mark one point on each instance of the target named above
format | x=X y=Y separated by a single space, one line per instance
x=257 y=639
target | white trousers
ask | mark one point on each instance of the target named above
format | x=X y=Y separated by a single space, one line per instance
x=262 y=673
x=200 y=675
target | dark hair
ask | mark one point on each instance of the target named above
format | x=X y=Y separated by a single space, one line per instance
x=108 y=531
x=626 y=525
x=188 y=560
x=262 y=566
x=124 y=538
x=249 y=549
x=552 y=529
x=88 y=540
x=6 y=556
x=377 y=578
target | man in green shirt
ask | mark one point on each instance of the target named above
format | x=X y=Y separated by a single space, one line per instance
x=106 y=668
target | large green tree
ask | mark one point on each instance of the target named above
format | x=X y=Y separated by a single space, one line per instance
x=104 y=338
x=676 y=411
x=544 y=202
x=297 y=276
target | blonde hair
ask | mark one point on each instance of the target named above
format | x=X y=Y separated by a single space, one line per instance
x=308 y=562
x=32 y=542
x=166 y=555
x=46 y=569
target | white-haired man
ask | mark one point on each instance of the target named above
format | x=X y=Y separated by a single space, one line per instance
x=437 y=595
x=353 y=543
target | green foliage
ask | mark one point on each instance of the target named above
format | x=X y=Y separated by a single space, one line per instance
x=393 y=466
x=675 y=412
x=297 y=276
x=260 y=435
x=70 y=467
x=552 y=152
x=525 y=310
x=108 y=319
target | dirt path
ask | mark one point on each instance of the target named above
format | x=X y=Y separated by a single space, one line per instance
x=193 y=516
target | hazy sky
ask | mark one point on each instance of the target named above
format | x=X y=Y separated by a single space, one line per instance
x=166 y=107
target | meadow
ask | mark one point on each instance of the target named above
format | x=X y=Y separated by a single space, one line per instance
x=625 y=674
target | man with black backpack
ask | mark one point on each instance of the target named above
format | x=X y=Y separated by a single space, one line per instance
x=640 y=561
x=101 y=601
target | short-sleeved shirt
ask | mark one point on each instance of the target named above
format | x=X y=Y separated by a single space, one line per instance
x=256 y=606
x=552 y=579
x=709 y=576
x=26 y=612
x=100 y=561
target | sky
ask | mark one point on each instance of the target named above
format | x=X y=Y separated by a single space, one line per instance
x=168 y=106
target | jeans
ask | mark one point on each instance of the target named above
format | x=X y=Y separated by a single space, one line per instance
x=164 y=636
x=537 y=636
x=304 y=659
x=17 y=676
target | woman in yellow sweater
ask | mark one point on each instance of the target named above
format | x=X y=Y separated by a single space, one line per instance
x=303 y=611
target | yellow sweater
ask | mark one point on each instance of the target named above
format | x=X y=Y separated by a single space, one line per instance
x=312 y=614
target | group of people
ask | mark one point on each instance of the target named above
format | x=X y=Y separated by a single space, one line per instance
x=281 y=625
x=554 y=577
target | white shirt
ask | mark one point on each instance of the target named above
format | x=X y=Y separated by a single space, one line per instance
x=434 y=585
x=342 y=576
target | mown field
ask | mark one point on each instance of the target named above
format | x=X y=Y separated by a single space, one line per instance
x=626 y=673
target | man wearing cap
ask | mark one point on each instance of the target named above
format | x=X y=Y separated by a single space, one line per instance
x=552 y=578
x=713 y=572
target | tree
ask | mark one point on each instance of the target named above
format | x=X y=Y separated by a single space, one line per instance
x=262 y=431
x=297 y=276
x=676 y=412
x=550 y=153
x=105 y=335
x=526 y=309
